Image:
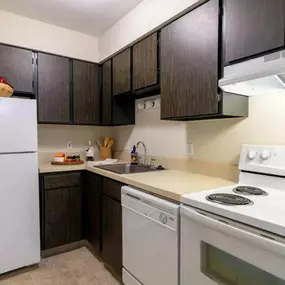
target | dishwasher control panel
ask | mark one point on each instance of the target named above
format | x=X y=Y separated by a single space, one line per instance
x=156 y=209
x=163 y=218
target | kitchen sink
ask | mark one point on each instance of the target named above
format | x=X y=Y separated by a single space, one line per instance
x=124 y=169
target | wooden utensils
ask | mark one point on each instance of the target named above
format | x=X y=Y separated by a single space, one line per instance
x=106 y=148
x=110 y=143
x=106 y=141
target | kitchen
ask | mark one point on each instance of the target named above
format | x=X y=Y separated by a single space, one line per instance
x=86 y=92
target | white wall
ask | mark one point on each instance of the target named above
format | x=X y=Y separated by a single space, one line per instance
x=217 y=141
x=33 y=34
x=145 y=17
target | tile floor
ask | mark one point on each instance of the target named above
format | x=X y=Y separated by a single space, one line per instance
x=77 y=267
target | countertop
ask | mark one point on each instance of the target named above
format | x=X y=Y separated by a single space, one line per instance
x=170 y=184
x=47 y=168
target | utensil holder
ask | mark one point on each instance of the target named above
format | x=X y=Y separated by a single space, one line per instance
x=105 y=152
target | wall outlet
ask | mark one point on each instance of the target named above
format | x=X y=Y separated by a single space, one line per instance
x=69 y=144
x=190 y=149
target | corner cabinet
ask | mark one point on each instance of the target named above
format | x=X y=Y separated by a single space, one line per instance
x=86 y=93
x=189 y=64
x=253 y=27
x=122 y=72
x=17 y=66
x=112 y=226
x=92 y=196
x=145 y=62
x=53 y=89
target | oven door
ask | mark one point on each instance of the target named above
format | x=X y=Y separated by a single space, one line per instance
x=215 y=250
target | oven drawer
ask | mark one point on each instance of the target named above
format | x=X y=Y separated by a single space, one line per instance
x=216 y=251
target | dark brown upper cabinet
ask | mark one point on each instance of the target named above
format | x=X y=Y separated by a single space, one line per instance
x=16 y=65
x=116 y=110
x=53 y=89
x=122 y=72
x=189 y=64
x=107 y=93
x=145 y=62
x=253 y=27
x=86 y=93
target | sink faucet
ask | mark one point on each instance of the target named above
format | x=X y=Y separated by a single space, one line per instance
x=144 y=147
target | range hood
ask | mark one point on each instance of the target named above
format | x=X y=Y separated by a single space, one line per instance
x=262 y=75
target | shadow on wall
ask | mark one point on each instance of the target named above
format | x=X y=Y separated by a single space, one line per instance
x=162 y=138
x=220 y=140
x=217 y=141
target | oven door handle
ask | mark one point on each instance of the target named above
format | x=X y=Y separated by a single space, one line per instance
x=256 y=239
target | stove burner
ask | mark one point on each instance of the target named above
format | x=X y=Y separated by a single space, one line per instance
x=229 y=199
x=248 y=190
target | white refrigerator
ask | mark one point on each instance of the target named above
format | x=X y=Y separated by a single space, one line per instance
x=19 y=186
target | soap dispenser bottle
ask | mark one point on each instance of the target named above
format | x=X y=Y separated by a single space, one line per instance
x=134 y=156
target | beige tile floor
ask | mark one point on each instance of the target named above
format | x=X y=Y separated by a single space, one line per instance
x=78 y=267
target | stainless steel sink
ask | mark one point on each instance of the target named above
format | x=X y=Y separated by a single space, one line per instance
x=124 y=169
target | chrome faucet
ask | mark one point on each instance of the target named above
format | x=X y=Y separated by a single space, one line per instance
x=144 y=157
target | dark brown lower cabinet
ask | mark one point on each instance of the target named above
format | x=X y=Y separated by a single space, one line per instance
x=92 y=196
x=61 y=209
x=56 y=217
x=75 y=214
x=75 y=208
x=112 y=234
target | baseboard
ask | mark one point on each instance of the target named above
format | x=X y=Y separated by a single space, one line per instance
x=63 y=248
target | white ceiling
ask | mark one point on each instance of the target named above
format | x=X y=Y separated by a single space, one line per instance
x=87 y=16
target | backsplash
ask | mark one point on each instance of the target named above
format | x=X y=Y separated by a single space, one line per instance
x=54 y=137
x=216 y=141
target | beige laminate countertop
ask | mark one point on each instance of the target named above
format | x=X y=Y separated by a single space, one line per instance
x=47 y=168
x=171 y=184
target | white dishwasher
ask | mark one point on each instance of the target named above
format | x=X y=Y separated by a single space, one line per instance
x=150 y=239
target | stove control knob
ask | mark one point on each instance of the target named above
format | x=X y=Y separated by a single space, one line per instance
x=265 y=154
x=252 y=155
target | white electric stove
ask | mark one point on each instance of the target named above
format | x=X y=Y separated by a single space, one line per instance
x=236 y=235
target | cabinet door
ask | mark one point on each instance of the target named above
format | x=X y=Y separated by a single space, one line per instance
x=122 y=72
x=75 y=214
x=189 y=64
x=56 y=217
x=107 y=93
x=112 y=188
x=16 y=65
x=92 y=195
x=53 y=89
x=86 y=93
x=145 y=63
x=112 y=234
x=253 y=27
